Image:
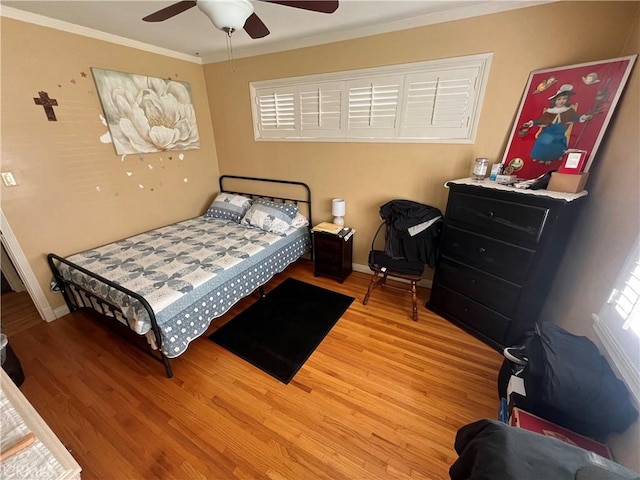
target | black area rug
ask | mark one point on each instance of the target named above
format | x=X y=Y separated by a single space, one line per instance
x=279 y=332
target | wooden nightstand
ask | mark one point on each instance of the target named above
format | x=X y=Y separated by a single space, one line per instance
x=332 y=256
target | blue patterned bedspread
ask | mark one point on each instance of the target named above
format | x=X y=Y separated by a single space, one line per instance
x=190 y=273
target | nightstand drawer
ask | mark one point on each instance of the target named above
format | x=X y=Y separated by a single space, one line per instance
x=327 y=243
x=328 y=269
x=492 y=256
x=508 y=221
x=323 y=256
x=493 y=292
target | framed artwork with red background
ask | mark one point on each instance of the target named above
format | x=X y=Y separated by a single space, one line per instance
x=563 y=110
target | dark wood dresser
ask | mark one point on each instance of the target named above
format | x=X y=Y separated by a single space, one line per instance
x=499 y=251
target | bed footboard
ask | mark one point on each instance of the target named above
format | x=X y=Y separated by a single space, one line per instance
x=85 y=299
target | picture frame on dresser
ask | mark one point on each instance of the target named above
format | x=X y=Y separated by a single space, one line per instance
x=564 y=109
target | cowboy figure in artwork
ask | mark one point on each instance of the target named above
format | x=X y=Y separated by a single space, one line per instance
x=555 y=122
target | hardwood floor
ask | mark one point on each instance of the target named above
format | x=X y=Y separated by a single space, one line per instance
x=381 y=398
x=18 y=312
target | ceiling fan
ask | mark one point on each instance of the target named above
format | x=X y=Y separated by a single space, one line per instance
x=232 y=15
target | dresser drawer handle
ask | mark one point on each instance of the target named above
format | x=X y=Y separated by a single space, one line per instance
x=482 y=249
x=490 y=214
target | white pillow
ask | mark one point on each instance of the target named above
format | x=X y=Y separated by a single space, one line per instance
x=300 y=221
x=270 y=216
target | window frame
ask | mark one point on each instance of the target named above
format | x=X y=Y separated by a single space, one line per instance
x=393 y=126
x=621 y=342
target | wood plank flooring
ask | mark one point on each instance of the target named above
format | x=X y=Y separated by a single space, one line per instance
x=381 y=398
x=18 y=312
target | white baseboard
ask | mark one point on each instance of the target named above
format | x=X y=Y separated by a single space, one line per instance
x=61 y=311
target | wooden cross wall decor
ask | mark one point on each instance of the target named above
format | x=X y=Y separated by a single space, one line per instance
x=48 y=104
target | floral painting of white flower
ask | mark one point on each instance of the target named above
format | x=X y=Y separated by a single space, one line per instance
x=146 y=114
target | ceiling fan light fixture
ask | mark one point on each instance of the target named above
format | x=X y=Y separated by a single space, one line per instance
x=227 y=15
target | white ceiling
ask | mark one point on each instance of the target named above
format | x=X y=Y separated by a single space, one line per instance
x=190 y=35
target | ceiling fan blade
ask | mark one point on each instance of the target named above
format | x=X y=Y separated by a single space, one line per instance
x=170 y=11
x=322 y=6
x=255 y=27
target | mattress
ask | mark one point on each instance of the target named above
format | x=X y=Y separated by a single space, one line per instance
x=190 y=273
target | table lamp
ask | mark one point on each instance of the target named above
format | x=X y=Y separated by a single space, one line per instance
x=337 y=210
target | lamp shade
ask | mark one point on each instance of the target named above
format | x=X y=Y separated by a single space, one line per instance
x=338 y=207
x=227 y=14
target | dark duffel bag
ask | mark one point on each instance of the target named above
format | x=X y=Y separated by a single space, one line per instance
x=570 y=383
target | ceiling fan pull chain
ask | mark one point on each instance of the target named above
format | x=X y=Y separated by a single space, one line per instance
x=229 y=48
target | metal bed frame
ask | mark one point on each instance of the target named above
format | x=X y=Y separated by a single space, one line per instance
x=89 y=302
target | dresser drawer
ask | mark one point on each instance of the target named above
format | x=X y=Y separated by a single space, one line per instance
x=490 y=291
x=508 y=221
x=487 y=254
x=473 y=315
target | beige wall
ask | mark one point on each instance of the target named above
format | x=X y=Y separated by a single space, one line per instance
x=368 y=174
x=74 y=192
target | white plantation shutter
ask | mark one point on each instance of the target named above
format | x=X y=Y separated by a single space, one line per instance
x=373 y=107
x=618 y=322
x=439 y=104
x=321 y=110
x=276 y=112
x=626 y=298
x=434 y=101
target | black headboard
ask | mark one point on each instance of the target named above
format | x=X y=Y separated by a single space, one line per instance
x=296 y=192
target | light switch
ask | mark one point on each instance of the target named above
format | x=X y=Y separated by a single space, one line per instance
x=8 y=179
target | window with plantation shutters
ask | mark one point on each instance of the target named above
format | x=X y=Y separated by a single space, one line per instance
x=618 y=322
x=373 y=107
x=276 y=112
x=321 y=110
x=435 y=101
x=625 y=299
x=439 y=104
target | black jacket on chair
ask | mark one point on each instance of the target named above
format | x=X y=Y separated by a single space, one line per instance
x=400 y=215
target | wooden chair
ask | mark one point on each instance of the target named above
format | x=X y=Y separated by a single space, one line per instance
x=379 y=279
x=384 y=267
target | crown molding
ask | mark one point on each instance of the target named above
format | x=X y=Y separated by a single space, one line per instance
x=43 y=21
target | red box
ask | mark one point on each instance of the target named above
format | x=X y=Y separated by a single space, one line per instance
x=521 y=419
x=573 y=161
